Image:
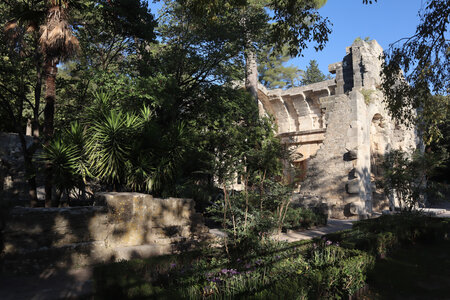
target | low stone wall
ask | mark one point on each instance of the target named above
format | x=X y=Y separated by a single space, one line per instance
x=128 y=225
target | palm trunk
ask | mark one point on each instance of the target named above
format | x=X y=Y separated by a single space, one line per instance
x=49 y=114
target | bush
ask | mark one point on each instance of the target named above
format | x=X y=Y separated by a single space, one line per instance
x=382 y=235
x=405 y=176
x=336 y=271
x=303 y=218
x=299 y=270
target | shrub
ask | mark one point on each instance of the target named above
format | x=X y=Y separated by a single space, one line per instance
x=305 y=270
x=405 y=176
x=300 y=270
x=386 y=233
x=297 y=218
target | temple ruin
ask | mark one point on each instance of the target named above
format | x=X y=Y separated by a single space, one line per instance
x=340 y=130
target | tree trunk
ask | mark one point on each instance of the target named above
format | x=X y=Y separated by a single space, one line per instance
x=49 y=114
x=29 y=166
x=37 y=98
x=251 y=68
x=251 y=73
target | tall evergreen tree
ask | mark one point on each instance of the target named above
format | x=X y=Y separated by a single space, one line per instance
x=313 y=74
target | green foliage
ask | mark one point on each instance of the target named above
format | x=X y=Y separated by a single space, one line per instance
x=110 y=145
x=253 y=151
x=280 y=272
x=319 y=269
x=313 y=74
x=125 y=150
x=367 y=95
x=67 y=155
x=416 y=74
x=337 y=272
x=382 y=235
x=273 y=74
x=404 y=176
x=298 y=218
x=366 y=39
x=264 y=22
x=411 y=272
x=434 y=121
x=130 y=18
x=63 y=159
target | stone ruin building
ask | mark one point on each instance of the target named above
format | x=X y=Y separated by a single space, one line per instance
x=340 y=129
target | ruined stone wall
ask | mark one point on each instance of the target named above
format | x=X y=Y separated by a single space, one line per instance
x=328 y=169
x=128 y=225
x=342 y=165
x=13 y=185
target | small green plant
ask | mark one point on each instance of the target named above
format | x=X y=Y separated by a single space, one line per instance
x=366 y=39
x=367 y=95
x=62 y=156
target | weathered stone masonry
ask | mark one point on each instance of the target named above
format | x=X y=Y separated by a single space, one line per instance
x=128 y=225
x=341 y=130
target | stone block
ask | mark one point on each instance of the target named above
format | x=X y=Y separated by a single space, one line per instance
x=350 y=199
x=356 y=208
x=352 y=186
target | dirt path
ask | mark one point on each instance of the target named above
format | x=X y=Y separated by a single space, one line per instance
x=333 y=225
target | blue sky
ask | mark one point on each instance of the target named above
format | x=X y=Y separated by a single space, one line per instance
x=386 y=21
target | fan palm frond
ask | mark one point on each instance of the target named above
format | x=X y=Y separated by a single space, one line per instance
x=57 y=39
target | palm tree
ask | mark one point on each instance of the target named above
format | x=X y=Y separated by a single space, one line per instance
x=57 y=44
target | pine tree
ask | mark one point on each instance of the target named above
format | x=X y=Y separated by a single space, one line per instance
x=313 y=74
x=273 y=74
